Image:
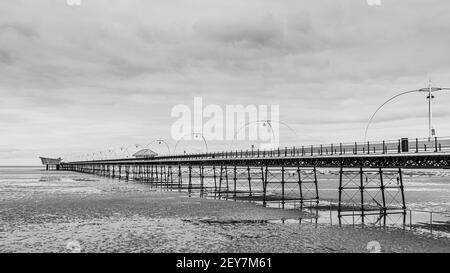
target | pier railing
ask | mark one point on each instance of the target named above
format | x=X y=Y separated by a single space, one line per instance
x=369 y=148
x=401 y=146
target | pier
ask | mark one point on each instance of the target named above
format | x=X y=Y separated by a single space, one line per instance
x=369 y=173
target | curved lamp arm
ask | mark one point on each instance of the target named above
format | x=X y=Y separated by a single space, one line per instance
x=159 y=141
x=112 y=153
x=269 y=123
x=193 y=134
x=434 y=89
x=134 y=145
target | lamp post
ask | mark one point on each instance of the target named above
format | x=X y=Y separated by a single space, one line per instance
x=112 y=156
x=134 y=145
x=430 y=90
x=265 y=123
x=160 y=141
x=196 y=136
x=430 y=97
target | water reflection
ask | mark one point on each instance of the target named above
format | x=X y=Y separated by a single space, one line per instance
x=326 y=213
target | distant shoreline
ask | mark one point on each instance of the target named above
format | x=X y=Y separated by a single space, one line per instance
x=20 y=166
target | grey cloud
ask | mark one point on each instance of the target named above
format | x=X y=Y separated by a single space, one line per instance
x=161 y=35
x=256 y=32
x=126 y=68
x=20 y=28
x=6 y=57
x=86 y=74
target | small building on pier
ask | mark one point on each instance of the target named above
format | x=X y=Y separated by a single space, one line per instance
x=145 y=153
x=51 y=163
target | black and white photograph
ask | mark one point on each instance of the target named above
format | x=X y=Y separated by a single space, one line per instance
x=230 y=130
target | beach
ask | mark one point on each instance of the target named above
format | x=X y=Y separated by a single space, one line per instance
x=71 y=212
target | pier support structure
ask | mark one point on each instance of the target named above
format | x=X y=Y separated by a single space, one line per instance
x=366 y=191
x=370 y=192
x=290 y=184
x=266 y=184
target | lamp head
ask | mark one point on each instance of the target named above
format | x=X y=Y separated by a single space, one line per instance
x=433 y=89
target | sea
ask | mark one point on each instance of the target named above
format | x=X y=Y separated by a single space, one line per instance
x=27 y=191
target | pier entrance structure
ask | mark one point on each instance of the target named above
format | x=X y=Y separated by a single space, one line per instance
x=370 y=174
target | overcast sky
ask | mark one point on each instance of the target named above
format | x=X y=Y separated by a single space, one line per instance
x=107 y=73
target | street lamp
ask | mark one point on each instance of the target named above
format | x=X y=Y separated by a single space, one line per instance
x=196 y=136
x=265 y=123
x=134 y=145
x=112 y=154
x=429 y=90
x=160 y=141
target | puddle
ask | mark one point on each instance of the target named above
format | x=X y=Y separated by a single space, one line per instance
x=327 y=214
x=225 y=221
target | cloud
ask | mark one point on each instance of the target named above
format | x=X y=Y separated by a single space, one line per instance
x=6 y=57
x=262 y=31
x=107 y=73
x=18 y=28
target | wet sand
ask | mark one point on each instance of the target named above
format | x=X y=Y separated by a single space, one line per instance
x=61 y=210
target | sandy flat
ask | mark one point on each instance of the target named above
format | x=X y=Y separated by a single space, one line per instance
x=72 y=212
